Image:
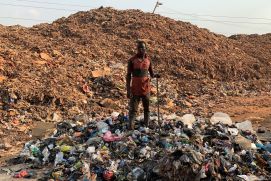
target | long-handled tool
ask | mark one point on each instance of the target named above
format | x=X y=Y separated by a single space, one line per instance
x=158 y=106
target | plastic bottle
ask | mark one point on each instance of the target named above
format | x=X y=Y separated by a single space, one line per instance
x=35 y=151
x=59 y=158
x=102 y=127
x=177 y=132
x=46 y=154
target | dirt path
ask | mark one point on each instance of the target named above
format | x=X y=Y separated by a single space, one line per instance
x=256 y=109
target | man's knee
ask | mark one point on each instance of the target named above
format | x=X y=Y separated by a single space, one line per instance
x=146 y=109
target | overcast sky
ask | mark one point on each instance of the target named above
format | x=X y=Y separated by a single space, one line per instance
x=220 y=16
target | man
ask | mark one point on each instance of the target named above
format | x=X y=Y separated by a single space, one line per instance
x=138 y=83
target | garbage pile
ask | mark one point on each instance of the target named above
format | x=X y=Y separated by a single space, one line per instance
x=78 y=65
x=178 y=148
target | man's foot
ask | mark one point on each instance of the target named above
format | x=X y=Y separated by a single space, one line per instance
x=131 y=126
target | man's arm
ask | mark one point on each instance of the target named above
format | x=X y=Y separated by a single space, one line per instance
x=128 y=78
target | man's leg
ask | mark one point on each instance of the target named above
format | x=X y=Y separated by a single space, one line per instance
x=146 y=106
x=134 y=101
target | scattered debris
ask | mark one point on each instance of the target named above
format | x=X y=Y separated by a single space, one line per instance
x=106 y=149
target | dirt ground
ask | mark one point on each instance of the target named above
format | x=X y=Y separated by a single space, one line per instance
x=256 y=109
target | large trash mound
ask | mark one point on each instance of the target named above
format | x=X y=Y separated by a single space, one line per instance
x=257 y=46
x=47 y=66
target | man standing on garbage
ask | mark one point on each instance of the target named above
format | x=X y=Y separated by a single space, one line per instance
x=138 y=83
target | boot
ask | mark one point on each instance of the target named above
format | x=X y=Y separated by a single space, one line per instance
x=131 y=125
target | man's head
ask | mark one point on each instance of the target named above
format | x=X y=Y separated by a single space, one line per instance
x=141 y=48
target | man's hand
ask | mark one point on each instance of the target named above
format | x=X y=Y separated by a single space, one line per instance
x=157 y=76
x=128 y=94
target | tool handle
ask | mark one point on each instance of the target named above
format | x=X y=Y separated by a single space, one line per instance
x=158 y=106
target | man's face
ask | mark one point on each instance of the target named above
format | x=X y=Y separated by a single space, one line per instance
x=141 y=48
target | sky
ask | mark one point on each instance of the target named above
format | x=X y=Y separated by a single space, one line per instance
x=226 y=17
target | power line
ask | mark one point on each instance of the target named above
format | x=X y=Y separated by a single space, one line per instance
x=51 y=3
x=26 y=19
x=229 y=23
x=217 y=21
x=39 y=7
x=215 y=16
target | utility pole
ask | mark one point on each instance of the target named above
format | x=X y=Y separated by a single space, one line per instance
x=156 y=6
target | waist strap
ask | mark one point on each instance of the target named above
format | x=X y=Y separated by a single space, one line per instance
x=140 y=73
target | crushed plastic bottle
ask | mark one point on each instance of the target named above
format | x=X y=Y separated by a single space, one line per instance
x=177 y=132
x=233 y=131
x=46 y=154
x=26 y=150
x=102 y=127
x=77 y=166
x=138 y=174
x=90 y=150
x=59 y=158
